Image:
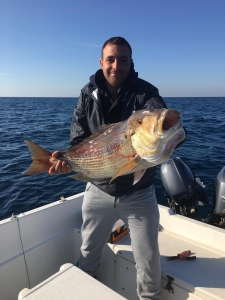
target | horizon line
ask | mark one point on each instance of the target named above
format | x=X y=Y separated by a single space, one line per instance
x=78 y=96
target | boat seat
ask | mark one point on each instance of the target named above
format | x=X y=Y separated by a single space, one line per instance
x=70 y=283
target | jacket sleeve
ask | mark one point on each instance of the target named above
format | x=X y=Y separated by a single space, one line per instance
x=154 y=100
x=79 y=127
x=155 y=103
x=148 y=96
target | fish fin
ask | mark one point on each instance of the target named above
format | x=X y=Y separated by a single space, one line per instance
x=35 y=168
x=82 y=177
x=127 y=167
x=41 y=159
x=138 y=175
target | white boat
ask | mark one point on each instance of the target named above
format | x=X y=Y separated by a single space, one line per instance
x=34 y=245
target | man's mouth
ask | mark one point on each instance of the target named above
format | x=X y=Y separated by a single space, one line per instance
x=117 y=74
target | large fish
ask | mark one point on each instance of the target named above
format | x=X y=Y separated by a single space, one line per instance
x=146 y=139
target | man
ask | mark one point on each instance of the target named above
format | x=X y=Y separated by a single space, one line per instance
x=111 y=96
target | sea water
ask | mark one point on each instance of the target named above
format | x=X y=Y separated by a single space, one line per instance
x=47 y=121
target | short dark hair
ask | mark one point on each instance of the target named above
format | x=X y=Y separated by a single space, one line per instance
x=117 y=40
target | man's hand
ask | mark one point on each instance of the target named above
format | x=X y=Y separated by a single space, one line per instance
x=61 y=167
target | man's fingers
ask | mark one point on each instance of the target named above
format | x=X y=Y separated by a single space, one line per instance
x=51 y=171
x=64 y=167
x=61 y=166
x=57 y=153
x=58 y=167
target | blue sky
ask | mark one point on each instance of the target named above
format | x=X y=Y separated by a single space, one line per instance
x=51 y=47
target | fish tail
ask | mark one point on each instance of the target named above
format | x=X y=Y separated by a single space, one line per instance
x=41 y=159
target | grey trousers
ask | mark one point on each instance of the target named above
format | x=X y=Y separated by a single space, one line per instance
x=140 y=213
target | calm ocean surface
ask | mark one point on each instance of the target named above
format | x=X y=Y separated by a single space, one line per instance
x=46 y=121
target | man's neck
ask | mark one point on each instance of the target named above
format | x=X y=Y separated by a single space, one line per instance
x=112 y=90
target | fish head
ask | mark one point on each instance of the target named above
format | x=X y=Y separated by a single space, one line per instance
x=155 y=133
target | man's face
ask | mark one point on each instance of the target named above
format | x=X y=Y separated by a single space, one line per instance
x=116 y=62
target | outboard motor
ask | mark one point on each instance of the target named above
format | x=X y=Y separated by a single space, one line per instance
x=183 y=191
x=216 y=216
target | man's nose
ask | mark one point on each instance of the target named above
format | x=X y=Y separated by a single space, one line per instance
x=115 y=64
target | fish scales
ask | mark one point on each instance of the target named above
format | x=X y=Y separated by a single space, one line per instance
x=103 y=155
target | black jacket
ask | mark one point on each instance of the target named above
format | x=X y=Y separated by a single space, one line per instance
x=95 y=108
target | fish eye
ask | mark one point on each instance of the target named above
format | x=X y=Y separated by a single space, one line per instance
x=140 y=122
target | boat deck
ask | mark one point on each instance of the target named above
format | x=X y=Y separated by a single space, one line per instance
x=37 y=243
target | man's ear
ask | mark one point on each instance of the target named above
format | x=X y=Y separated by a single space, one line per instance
x=101 y=62
x=131 y=64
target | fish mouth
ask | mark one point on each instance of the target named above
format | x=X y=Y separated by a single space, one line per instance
x=168 y=131
x=166 y=151
x=169 y=119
